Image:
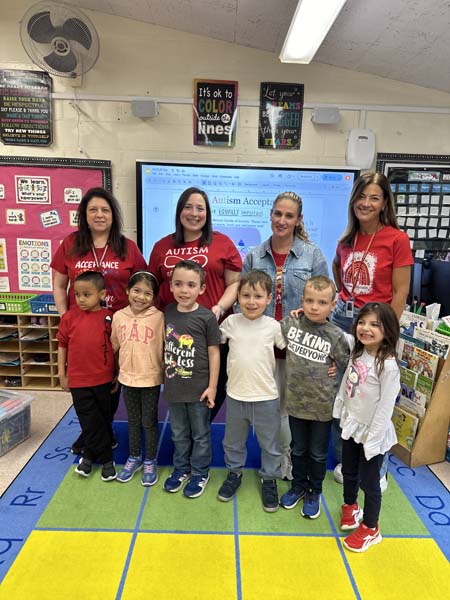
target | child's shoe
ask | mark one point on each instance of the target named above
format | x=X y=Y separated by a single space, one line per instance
x=133 y=464
x=84 y=467
x=351 y=516
x=108 y=471
x=176 y=480
x=311 y=506
x=269 y=495
x=337 y=474
x=291 y=498
x=362 y=538
x=230 y=486
x=196 y=486
x=150 y=474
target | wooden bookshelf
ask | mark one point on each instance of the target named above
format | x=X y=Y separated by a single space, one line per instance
x=38 y=359
x=430 y=443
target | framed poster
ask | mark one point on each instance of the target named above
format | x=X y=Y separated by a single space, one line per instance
x=38 y=207
x=280 y=115
x=26 y=108
x=215 y=112
x=421 y=187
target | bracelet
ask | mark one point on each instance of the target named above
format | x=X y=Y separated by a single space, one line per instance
x=222 y=310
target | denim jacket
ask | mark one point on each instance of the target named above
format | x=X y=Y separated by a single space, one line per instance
x=304 y=260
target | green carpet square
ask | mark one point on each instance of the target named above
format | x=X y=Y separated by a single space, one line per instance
x=174 y=512
x=253 y=518
x=90 y=503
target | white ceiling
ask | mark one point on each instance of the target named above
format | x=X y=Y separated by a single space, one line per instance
x=406 y=40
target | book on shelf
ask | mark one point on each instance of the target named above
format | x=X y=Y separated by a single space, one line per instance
x=424 y=385
x=410 y=321
x=434 y=342
x=412 y=400
x=424 y=363
x=405 y=425
x=408 y=377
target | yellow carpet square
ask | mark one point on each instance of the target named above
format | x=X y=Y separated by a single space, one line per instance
x=292 y=566
x=62 y=565
x=401 y=569
x=182 y=566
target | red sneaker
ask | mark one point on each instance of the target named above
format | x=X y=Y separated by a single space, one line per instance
x=351 y=516
x=362 y=538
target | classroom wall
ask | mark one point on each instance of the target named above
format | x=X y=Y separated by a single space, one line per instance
x=139 y=59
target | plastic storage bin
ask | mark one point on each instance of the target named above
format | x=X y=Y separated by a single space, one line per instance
x=15 y=419
x=45 y=303
x=15 y=303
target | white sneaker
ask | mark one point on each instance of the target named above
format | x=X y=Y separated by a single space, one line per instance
x=337 y=474
x=383 y=483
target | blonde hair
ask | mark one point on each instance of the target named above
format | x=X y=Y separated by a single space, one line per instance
x=320 y=283
x=300 y=230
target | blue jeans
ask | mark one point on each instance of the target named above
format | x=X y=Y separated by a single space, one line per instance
x=346 y=324
x=191 y=435
x=309 y=446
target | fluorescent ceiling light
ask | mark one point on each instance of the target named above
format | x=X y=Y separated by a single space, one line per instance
x=310 y=24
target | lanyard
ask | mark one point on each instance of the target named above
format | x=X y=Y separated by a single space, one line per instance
x=356 y=279
x=98 y=263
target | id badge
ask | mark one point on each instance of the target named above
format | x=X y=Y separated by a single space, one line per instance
x=349 y=309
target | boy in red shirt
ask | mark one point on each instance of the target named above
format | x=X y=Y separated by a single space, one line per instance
x=86 y=368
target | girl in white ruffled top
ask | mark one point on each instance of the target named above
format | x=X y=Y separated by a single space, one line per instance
x=364 y=405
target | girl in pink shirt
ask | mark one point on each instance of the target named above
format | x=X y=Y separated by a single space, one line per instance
x=138 y=337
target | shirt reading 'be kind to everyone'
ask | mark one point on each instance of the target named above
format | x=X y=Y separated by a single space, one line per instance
x=186 y=363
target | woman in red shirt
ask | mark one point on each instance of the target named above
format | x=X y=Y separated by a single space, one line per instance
x=372 y=264
x=97 y=245
x=195 y=239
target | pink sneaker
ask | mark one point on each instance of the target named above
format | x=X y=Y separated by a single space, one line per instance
x=351 y=516
x=362 y=538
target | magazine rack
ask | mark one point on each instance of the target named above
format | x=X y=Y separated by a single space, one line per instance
x=430 y=442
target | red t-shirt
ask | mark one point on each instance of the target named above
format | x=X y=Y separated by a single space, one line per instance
x=390 y=249
x=221 y=254
x=90 y=357
x=115 y=270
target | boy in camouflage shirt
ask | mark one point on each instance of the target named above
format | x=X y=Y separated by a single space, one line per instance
x=313 y=343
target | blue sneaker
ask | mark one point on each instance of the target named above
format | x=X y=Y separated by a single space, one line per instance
x=133 y=464
x=291 y=498
x=196 y=486
x=311 y=506
x=176 y=480
x=150 y=474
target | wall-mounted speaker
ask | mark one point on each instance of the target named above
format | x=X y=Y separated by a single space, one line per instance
x=145 y=109
x=325 y=115
x=360 y=148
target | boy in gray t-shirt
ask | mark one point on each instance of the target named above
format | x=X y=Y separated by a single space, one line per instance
x=191 y=361
x=313 y=343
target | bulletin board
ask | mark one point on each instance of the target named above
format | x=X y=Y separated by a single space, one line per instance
x=39 y=199
x=421 y=187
